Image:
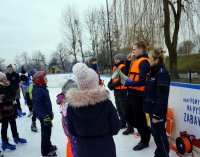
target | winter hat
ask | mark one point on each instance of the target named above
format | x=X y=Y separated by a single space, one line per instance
x=120 y=56
x=2 y=76
x=68 y=85
x=87 y=78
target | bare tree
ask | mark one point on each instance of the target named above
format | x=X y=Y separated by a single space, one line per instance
x=18 y=62
x=79 y=36
x=61 y=56
x=39 y=60
x=2 y=64
x=175 y=11
x=25 y=60
x=92 y=20
x=69 y=23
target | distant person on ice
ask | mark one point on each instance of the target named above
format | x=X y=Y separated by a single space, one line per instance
x=8 y=113
x=14 y=79
x=44 y=112
x=156 y=101
x=91 y=116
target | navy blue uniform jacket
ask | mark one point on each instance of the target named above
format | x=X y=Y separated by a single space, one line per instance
x=157 y=92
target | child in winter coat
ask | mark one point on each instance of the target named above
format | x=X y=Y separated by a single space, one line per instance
x=7 y=112
x=25 y=83
x=91 y=116
x=33 y=125
x=62 y=101
x=44 y=112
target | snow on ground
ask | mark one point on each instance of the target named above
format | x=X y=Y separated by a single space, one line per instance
x=124 y=144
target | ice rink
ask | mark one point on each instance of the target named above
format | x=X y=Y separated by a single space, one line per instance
x=124 y=144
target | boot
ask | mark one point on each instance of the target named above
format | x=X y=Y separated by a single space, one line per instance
x=128 y=131
x=30 y=114
x=20 y=113
x=51 y=153
x=7 y=145
x=1 y=155
x=34 y=127
x=53 y=147
x=140 y=146
x=19 y=140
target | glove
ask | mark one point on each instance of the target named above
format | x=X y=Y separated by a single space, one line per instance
x=128 y=81
x=110 y=85
x=52 y=116
x=47 y=121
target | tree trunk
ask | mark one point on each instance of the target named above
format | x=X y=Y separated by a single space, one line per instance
x=172 y=43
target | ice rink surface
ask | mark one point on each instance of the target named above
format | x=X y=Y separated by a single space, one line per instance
x=124 y=144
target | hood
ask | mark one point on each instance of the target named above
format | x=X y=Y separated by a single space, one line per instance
x=82 y=98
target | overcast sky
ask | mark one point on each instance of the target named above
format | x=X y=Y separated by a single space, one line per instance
x=31 y=25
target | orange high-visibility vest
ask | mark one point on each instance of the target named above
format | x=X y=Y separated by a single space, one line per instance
x=134 y=72
x=116 y=79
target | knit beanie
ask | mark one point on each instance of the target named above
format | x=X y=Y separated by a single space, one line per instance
x=86 y=77
x=2 y=76
x=68 y=85
x=120 y=56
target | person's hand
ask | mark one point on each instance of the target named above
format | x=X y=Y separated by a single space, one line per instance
x=47 y=121
x=2 y=96
x=155 y=120
x=52 y=116
x=7 y=83
x=123 y=82
x=14 y=102
x=128 y=80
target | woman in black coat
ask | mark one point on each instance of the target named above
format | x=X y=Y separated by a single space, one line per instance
x=8 y=113
x=91 y=116
x=156 y=101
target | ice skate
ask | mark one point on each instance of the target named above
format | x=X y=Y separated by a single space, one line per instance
x=34 y=127
x=19 y=140
x=7 y=145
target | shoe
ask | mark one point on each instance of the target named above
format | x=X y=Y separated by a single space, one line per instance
x=1 y=155
x=140 y=146
x=19 y=140
x=51 y=153
x=53 y=147
x=20 y=113
x=7 y=145
x=34 y=127
x=128 y=131
x=30 y=114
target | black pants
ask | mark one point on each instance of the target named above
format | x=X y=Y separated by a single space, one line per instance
x=4 y=128
x=34 y=116
x=121 y=104
x=29 y=102
x=160 y=138
x=140 y=118
x=45 y=138
x=18 y=105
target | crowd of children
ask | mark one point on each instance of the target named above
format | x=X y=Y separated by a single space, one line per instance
x=89 y=118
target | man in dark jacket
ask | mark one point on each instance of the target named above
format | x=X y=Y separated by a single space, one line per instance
x=92 y=118
x=14 y=79
x=156 y=101
x=136 y=83
x=43 y=110
x=120 y=91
